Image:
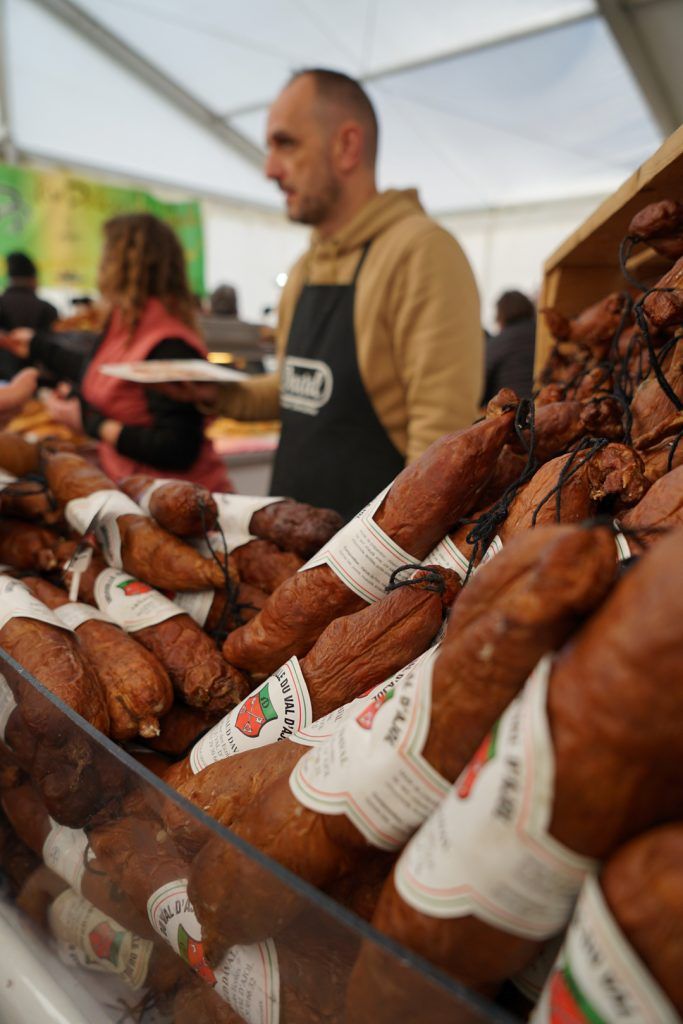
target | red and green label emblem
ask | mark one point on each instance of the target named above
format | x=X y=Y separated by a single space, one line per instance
x=367 y=715
x=192 y=952
x=105 y=942
x=568 y=1004
x=486 y=753
x=132 y=587
x=256 y=711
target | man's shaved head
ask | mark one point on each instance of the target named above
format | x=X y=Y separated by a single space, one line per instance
x=337 y=90
x=321 y=143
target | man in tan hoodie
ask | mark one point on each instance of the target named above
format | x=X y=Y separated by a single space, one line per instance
x=379 y=336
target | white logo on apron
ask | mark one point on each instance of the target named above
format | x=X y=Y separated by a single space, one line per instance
x=306 y=385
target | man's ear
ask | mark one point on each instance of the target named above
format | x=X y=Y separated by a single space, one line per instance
x=348 y=146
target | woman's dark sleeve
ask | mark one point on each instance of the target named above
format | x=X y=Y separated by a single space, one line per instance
x=174 y=438
x=65 y=355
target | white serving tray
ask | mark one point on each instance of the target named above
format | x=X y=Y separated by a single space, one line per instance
x=169 y=371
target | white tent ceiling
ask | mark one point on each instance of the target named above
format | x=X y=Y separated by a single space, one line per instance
x=483 y=105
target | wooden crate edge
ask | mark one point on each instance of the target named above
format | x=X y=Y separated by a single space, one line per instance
x=641 y=179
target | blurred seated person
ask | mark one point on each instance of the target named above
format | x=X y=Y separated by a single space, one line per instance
x=84 y=316
x=226 y=333
x=509 y=354
x=149 y=315
x=21 y=307
x=224 y=301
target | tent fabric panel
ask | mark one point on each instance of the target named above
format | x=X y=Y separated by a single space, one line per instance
x=234 y=60
x=69 y=101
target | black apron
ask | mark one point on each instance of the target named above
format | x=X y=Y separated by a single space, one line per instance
x=334 y=452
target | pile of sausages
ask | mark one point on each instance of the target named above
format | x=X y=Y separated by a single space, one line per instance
x=459 y=715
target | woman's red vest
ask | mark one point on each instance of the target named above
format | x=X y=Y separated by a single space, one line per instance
x=126 y=402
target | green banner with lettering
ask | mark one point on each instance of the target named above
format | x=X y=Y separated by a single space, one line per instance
x=57 y=219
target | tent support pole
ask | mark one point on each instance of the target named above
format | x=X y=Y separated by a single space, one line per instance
x=8 y=151
x=119 y=51
x=620 y=20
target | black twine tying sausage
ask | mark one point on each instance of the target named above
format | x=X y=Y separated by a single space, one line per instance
x=626 y=247
x=625 y=250
x=655 y=358
x=622 y=387
x=83 y=545
x=628 y=243
x=14 y=490
x=230 y=618
x=231 y=612
x=637 y=532
x=588 y=445
x=429 y=578
x=628 y=531
x=673 y=446
x=623 y=382
x=624 y=564
x=139 y=1011
x=612 y=524
x=486 y=525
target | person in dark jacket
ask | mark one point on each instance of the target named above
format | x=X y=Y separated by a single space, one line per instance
x=21 y=307
x=510 y=353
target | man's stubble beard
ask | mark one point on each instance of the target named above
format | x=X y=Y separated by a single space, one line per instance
x=315 y=209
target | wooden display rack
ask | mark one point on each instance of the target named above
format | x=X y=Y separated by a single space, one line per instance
x=585 y=268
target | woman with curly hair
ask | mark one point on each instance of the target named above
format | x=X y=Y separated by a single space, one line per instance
x=149 y=315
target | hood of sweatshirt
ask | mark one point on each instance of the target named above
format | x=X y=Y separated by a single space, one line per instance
x=382 y=212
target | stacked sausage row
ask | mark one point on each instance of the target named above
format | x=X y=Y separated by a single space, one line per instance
x=460 y=718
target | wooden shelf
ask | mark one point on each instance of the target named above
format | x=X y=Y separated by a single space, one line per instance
x=586 y=267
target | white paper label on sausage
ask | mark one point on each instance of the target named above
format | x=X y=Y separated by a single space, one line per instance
x=234 y=516
x=362 y=555
x=448 y=555
x=597 y=976
x=131 y=604
x=88 y=938
x=196 y=604
x=7 y=705
x=247 y=978
x=82 y=514
x=214 y=543
x=494 y=548
x=144 y=498
x=17 y=602
x=64 y=852
x=272 y=712
x=74 y=614
x=99 y=512
x=77 y=564
x=250 y=718
x=486 y=850
x=623 y=546
x=372 y=768
x=323 y=728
